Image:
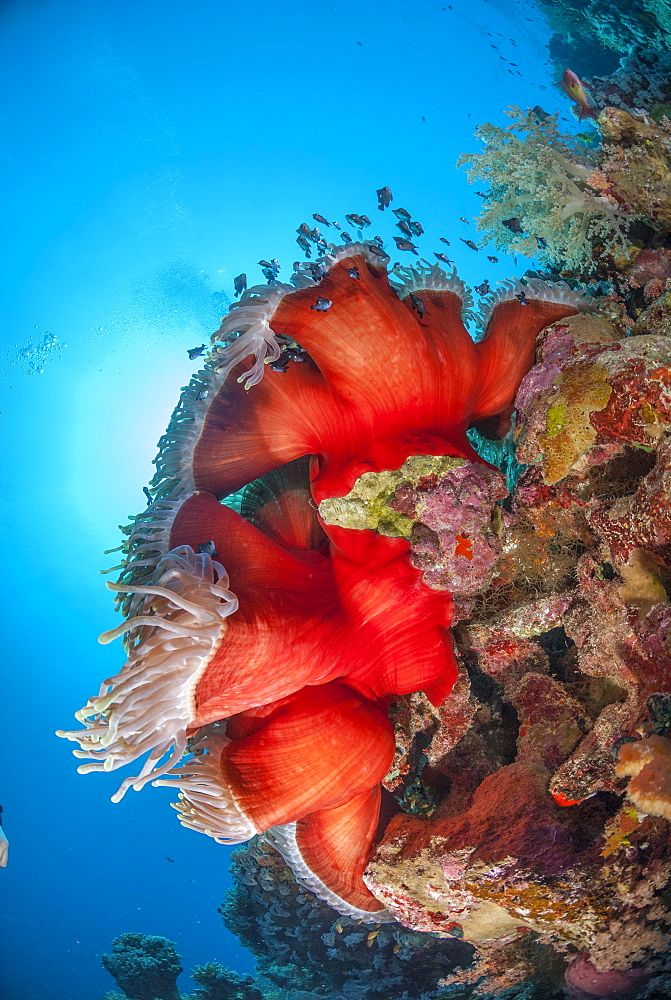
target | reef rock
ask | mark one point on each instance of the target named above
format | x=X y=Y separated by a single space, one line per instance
x=636 y=168
x=593 y=401
x=515 y=861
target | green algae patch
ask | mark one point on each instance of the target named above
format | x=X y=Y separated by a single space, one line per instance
x=368 y=504
x=555 y=420
x=583 y=389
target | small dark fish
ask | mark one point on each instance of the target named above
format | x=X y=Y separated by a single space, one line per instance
x=493 y=260
x=522 y=298
x=417 y=304
x=322 y=305
x=444 y=258
x=355 y=220
x=384 y=197
x=542 y=243
x=405 y=228
x=196 y=352
x=203 y=394
x=416 y=228
x=304 y=245
x=378 y=240
x=317 y=271
x=337 y=225
x=148 y=495
x=265 y=263
x=171 y=860
x=304 y=230
x=208 y=549
x=295 y=353
x=462 y=219
x=482 y=194
x=365 y=221
x=239 y=283
x=514 y=225
x=353 y=272
x=484 y=288
x=320 y=218
x=443 y=240
x=469 y=243
x=402 y=244
x=345 y=237
x=542 y=115
x=401 y=213
x=280 y=365
x=377 y=250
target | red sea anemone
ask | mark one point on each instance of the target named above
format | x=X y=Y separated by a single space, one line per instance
x=280 y=668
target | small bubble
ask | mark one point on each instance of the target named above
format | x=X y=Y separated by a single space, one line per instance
x=33 y=357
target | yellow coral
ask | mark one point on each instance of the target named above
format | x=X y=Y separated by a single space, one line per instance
x=583 y=389
x=367 y=503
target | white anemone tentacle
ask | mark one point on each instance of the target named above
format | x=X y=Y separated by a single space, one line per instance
x=206 y=804
x=412 y=280
x=535 y=288
x=149 y=705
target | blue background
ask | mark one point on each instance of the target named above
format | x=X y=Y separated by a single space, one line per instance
x=152 y=152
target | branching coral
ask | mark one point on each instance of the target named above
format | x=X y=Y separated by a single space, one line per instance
x=540 y=183
x=641 y=81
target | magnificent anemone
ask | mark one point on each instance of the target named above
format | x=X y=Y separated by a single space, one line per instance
x=280 y=668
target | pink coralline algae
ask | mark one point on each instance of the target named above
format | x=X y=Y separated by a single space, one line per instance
x=649 y=265
x=453 y=541
x=603 y=397
x=515 y=862
x=641 y=520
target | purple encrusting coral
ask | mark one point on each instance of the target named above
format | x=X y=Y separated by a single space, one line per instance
x=453 y=540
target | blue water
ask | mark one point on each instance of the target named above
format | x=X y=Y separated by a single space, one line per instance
x=152 y=152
